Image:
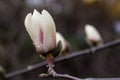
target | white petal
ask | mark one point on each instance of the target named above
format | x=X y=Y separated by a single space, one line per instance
x=48 y=26
x=92 y=33
x=28 y=25
x=59 y=37
x=31 y=24
x=28 y=20
x=37 y=30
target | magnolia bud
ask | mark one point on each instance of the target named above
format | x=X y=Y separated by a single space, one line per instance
x=92 y=36
x=64 y=43
x=59 y=37
x=42 y=31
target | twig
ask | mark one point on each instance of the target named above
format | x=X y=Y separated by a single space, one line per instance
x=68 y=77
x=52 y=72
x=58 y=59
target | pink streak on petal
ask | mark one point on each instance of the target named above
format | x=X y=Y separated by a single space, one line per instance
x=41 y=36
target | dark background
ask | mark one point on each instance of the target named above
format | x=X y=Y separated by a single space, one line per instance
x=70 y=16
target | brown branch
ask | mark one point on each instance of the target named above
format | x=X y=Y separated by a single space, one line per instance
x=72 y=55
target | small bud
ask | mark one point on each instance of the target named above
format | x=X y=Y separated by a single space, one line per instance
x=92 y=36
x=64 y=43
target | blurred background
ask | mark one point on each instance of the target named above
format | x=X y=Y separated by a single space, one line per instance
x=70 y=16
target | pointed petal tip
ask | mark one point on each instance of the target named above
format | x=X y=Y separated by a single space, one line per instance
x=45 y=12
x=35 y=12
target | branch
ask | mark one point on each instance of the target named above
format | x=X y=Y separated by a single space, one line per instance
x=72 y=55
x=53 y=73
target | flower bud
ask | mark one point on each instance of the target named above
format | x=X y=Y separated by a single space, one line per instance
x=59 y=37
x=42 y=31
x=92 y=35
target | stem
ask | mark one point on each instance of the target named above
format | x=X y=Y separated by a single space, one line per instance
x=53 y=73
x=68 y=77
